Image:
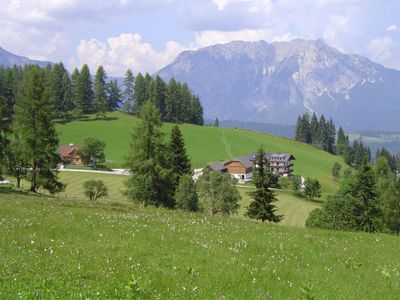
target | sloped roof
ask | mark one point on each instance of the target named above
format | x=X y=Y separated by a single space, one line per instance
x=243 y=160
x=66 y=150
x=218 y=166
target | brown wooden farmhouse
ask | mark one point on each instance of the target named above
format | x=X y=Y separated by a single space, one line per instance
x=69 y=154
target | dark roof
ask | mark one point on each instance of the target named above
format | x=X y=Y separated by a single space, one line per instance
x=218 y=166
x=66 y=150
x=274 y=157
x=244 y=161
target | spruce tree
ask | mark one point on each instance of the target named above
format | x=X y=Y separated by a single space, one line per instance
x=113 y=95
x=128 y=93
x=100 y=93
x=86 y=90
x=37 y=137
x=178 y=158
x=262 y=207
x=60 y=91
x=342 y=142
x=76 y=94
x=151 y=182
x=197 y=117
x=172 y=100
x=315 y=131
x=140 y=93
x=158 y=91
x=186 y=197
x=366 y=207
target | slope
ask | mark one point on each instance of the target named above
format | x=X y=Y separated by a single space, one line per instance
x=113 y=251
x=204 y=143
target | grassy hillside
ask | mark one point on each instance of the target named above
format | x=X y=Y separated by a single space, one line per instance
x=204 y=144
x=74 y=250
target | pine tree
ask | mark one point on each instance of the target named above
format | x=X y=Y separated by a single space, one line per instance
x=186 y=197
x=113 y=95
x=315 y=131
x=128 y=91
x=37 y=137
x=331 y=137
x=197 y=111
x=303 y=132
x=151 y=179
x=366 y=207
x=60 y=91
x=140 y=93
x=262 y=207
x=216 y=122
x=171 y=102
x=86 y=90
x=76 y=94
x=158 y=91
x=342 y=142
x=178 y=158
x=100 y=93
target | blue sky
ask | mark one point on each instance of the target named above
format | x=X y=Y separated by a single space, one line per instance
x=145 y=35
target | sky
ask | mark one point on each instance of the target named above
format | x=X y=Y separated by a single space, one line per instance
x=145 y=35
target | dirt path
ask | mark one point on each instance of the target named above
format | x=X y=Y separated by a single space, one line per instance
x=227 y=145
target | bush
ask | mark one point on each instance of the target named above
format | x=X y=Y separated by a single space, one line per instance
x=186 y=195
x=318 y=218
x=95 y=189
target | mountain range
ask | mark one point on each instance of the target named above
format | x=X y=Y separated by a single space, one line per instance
x=8 y=59
x=275 y=82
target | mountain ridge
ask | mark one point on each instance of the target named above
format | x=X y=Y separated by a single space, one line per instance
x=8 y=59
x=275 y=82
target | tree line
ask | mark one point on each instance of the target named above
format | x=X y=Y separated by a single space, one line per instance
x=174 y=100
x=77 y=95
x=323 y=135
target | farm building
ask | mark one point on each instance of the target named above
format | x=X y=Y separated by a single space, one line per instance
x=242 y=167
x=279 y=163
x=69 y=154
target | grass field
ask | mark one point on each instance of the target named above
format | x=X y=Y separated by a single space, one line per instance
x=295 y=210
x=53 y=249
x=204 y=144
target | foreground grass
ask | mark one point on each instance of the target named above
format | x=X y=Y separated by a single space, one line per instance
x=205 y=144
x=73 y=249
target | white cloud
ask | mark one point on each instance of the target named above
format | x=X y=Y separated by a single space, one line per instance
x=382 y=49
x=392 y=28
x=122 y=52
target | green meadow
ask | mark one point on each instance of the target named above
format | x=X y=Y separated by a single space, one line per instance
x=59 y=249
x=204 y=144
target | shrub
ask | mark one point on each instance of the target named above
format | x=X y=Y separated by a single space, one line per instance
x=95 y=189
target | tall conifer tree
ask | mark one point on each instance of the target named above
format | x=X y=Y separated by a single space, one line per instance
x=100 y=92
x=262 y=207
x=37 y=137
x=86 y=90
x=129 y=91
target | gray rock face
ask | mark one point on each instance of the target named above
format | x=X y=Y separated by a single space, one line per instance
x=275 y=82
x=8 y=59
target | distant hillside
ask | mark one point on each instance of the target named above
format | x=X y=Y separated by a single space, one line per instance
x=8 y=59
x=275 y=82
x=205 y=144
